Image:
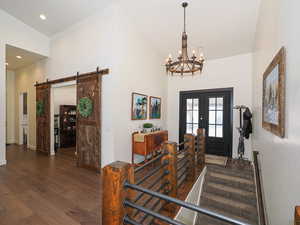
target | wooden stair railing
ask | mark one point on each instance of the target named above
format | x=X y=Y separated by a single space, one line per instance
x=260 y=198
x=174 y=167
x=297 y=215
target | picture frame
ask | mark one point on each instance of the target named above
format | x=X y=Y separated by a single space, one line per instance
x=155 y=107
x=139 y=106
x=273 y=102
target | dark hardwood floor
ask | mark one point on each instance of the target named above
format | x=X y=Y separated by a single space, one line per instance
x=40 y=190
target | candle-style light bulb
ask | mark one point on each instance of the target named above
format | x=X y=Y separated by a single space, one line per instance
x=194 y=52
x=201 y=57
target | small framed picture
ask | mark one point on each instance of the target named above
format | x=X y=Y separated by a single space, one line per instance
x=273 y=113
x=139 y=106
x=155 y=107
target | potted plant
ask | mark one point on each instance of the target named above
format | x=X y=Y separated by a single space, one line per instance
x=147 y=127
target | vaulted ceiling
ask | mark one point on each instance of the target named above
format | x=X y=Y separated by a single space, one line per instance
x=60 y=13
x=223 y=28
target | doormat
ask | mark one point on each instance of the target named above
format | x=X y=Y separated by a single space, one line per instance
x=217 y=160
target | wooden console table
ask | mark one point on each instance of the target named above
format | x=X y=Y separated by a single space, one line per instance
x=147 y=143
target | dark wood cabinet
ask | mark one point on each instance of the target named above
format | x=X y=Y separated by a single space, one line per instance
x=67 y=115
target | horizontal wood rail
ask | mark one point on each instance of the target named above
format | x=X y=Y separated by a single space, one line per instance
x=163 y=174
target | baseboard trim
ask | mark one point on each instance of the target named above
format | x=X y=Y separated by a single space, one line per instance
x=32 y=147
x=3 y=162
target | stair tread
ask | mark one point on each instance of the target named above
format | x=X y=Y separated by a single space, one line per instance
x=232 y=190
x=230 y=202
x=215 y=180
x=248 y=174
x=231 y=178
x=231 y=210
x=222 y=212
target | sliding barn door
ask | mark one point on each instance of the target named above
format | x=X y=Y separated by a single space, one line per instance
x=43 y=118
x=88 y=145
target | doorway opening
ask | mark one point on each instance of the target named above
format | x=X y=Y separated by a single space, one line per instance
x=87 y=128
x=23 y=69
x=23 y=120
x=63 y=119
x=210 y=109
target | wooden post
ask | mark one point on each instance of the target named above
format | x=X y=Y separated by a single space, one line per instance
x=190 y=144
x=114 y=193
x=171 y=177
x=201 y=146
x=297 y=215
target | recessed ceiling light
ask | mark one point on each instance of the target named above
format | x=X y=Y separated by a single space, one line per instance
x=43 y=17
x=19 y=57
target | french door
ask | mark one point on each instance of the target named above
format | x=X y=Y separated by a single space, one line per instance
x=212 y=110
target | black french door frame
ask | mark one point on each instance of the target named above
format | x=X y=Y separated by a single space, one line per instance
x=195 y=93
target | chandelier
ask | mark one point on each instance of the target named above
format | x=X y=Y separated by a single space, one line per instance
x=185 y=65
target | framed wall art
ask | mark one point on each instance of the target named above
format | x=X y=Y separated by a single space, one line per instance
x=139 y=106
x=273 y=109
x=155 y=107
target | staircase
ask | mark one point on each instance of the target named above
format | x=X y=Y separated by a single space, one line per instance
x=229 y=191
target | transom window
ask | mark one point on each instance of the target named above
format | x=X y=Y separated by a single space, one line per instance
x=192 y=115
x=216 y=108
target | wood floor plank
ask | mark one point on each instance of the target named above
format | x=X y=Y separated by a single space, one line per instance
x=39 y=190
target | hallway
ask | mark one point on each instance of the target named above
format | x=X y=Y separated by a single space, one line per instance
x=36 y=189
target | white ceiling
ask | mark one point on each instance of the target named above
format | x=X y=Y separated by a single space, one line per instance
x=28 y=58
x=223 y=28
x=60 y=13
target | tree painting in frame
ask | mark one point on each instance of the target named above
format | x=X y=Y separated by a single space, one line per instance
x=139 y=106
x=273 y=113
x=155 y=108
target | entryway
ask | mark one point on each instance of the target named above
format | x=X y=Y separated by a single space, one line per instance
x=210 y=109
x=88 y=119
x=63 y=119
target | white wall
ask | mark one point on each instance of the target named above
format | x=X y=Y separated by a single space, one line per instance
x=233 y=72
x=278 y=26
x=10 y=107
x=18 y=34
x=107 y=39
x=64 y=96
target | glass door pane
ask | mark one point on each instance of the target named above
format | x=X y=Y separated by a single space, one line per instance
x=192 y=115
x=215 y=117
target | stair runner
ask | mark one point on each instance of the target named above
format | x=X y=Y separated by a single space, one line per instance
x=230 y=192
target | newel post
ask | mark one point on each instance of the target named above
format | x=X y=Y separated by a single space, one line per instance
x=171 y=178
x=190 y=146
x=201 y=146
x=114 y=176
